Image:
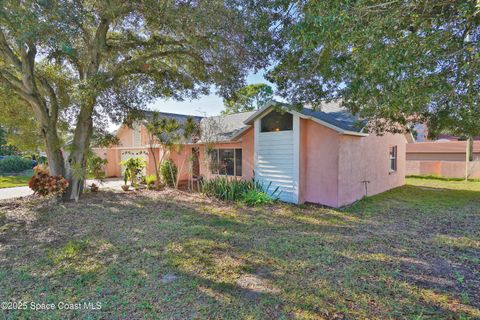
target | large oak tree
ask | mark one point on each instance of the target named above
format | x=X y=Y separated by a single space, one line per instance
x=393 y=62
x=80 y=61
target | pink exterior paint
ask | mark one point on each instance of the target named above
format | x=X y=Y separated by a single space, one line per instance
x=332 y=165
x=367 y=159
x=318 y=164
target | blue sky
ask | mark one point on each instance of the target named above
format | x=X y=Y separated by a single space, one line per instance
x=206 y=105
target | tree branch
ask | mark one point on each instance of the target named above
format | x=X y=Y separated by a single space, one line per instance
x=7 y=52
x=98 y=43
x=53 y=101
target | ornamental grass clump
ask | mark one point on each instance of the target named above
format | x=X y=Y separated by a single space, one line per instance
x=251 y=192
x=43 y=184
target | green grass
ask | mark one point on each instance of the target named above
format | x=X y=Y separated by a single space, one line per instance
x=16 y=181
x=410 y=253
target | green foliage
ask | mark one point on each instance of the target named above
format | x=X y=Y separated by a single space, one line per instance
x=92 y=61
x=255 y=198
x=391 y=61
x=19 y=126
x=248 y=98
x=96 y=166
x=133 y=168
x=14 y=164
x=231 y=189
x=3 y=136
x=169 y=171
x=8 y=150
x=150 y=180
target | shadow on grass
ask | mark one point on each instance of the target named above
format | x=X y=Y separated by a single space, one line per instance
x=174 y=255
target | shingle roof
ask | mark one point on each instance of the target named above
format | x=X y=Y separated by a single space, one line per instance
x=331 y=114
x=179 y=117
x=334 y=114
x=224 y=127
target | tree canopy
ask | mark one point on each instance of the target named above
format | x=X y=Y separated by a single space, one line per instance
x=248 y=98
x=19 y=126
x=83 y=61
x=393 y=62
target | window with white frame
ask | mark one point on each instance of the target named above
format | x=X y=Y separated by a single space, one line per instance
x=227 y=162
x=393 y=158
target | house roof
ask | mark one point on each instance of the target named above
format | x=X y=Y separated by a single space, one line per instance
x=229 y=127
x=330 y=114
x=224 y=127
x=179 y=117
x=441 y=147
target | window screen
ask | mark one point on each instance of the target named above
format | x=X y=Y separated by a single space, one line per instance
x=238 y=162
x=277 y=121
x=226 y=162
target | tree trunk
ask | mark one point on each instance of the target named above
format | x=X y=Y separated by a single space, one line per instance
x=468 y=156
x=76 y=166
x=56 y=163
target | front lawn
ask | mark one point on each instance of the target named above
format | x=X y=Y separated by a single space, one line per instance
x=411 y=253
x=16 y=181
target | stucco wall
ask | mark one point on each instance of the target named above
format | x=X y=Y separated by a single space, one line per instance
x=367 y=159
x=318 y=163
x=439 y=156
x=125 y=136
x=448 y=169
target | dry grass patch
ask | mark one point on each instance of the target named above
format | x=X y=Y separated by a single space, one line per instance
x=410 y=253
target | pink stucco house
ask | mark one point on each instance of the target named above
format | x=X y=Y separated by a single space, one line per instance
x=321 y=157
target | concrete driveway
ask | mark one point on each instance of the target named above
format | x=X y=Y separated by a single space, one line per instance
x=17 y=192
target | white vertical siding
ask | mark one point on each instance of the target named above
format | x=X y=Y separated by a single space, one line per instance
x=277 y=160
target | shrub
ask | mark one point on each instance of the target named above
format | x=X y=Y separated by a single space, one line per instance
x=133 y=168
x=150 y=181
x=256 y=198
x=96 y=167
x=230 y=189
x=9 y=150
x=168 y=171
x=15 y=164
x=42 y=183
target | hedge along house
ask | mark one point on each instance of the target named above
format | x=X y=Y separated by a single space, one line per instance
x=321 y=157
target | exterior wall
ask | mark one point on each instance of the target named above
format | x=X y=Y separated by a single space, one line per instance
x=445 y=159
x=367 y=159
x=438 y=156
x=318 y=164
x=125 y=136
x=276 y=160
x=448 y=169
x=246 y=144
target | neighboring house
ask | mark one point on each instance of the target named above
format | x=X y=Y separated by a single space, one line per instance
x=442 y=158
x=321 y=157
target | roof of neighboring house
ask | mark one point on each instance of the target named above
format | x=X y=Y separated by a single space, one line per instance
x=224 y=127
x=331 y=114
x=441 y=147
